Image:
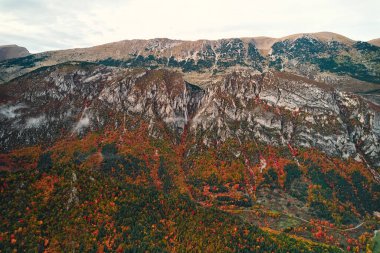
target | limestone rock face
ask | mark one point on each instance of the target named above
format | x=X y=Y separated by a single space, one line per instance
x=272 y=107
x=278 y=109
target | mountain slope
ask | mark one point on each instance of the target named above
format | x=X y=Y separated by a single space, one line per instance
x=375 y=42
x=325 y=57
x=79 y=97
x=162 y=145
x=12 y=51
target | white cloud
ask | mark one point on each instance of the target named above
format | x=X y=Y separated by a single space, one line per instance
x=53 y=24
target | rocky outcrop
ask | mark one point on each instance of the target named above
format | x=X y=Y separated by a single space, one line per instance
x=281 y=109
x=274 y=108
x=75 y=98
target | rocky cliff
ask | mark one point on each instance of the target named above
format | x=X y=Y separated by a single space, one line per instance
x=276 y=108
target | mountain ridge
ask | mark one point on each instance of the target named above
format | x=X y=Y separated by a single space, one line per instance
x=209 y=146
x=321 y=35
x=326 y=57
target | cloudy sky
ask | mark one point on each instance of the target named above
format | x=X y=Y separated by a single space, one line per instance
x=42 y=25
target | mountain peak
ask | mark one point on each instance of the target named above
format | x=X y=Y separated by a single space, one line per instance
x=264 y=43
x=12 y=51
x=323 y=36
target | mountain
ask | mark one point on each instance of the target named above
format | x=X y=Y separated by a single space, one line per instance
x=75 y=98
x=266 y=43
x=12 y=51
x=236 y=145
x=375 y=42
x=327 y=57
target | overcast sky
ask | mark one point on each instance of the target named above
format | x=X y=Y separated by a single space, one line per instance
x=42 y=25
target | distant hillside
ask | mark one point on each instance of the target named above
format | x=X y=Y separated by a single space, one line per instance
x=12 y=51
x=324 y=57
x=375 y=42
